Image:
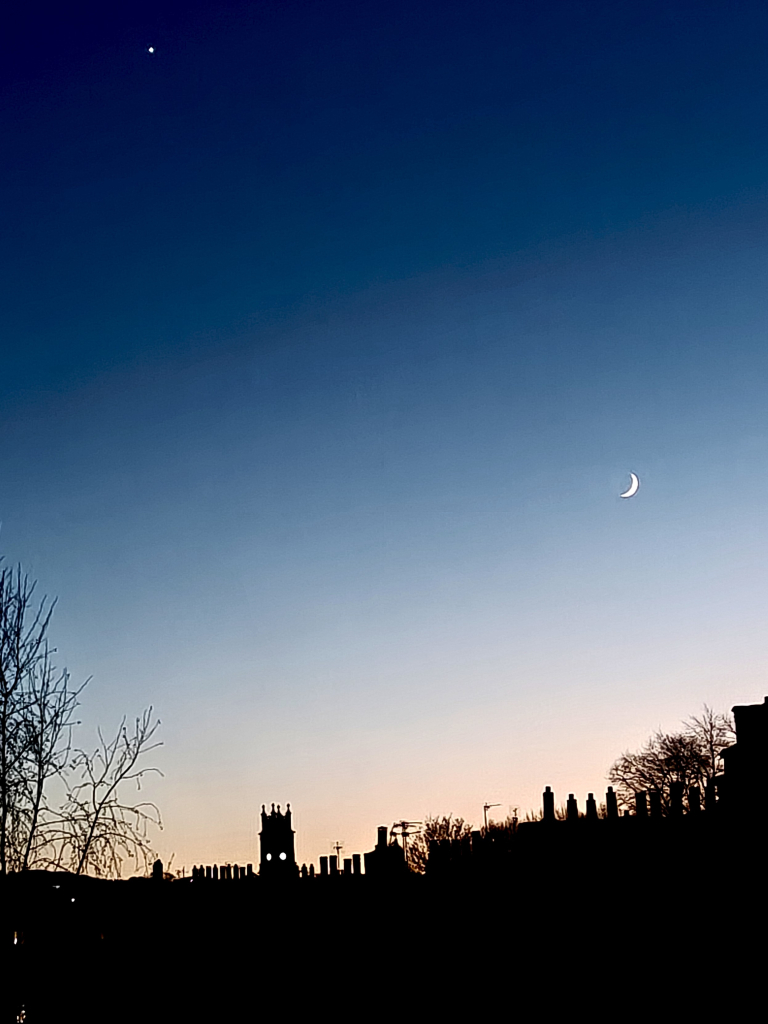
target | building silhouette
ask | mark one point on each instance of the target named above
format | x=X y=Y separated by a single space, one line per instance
x=276 y=844
x=743 y=787
x=649 y=886
x=387 y=858
x=730 y=817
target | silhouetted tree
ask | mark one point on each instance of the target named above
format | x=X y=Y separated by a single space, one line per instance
x=501 y=834
x=90 y=828
x=47 y=737
x=502 y=828
x=713 y=732
x=95 y=830
x=36 y=709
x=691 y=756
x=445 y=827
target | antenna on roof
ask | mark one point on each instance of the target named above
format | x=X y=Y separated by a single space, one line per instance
x=404 y=829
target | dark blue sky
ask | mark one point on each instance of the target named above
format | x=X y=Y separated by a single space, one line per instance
x=331 y=333
x=274 y=154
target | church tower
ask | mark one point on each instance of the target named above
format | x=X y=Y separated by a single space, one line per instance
x=277 y=855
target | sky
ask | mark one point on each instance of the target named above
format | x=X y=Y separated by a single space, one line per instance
x=331 y=335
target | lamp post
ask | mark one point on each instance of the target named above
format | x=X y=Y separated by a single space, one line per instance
x=486 y=808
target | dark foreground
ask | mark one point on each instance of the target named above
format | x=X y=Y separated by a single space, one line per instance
x=672 y=930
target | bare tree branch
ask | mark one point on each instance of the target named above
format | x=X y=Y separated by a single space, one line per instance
x=24 y=662
x=691 y=757
x=445 y=827
x=94 y=829
x=97 y=831
x=48 y=728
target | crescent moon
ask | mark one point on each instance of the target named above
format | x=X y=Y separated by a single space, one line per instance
x=635 y=483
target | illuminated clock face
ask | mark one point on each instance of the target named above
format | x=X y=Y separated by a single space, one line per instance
x=283 y=856
x=269 y=856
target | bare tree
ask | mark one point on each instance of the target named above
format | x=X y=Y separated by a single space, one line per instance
x=713 y=732
x=22 y=649
x=690 y=757
x=47 y=743
x=90 y=828
x=95 y=831
x=502 y=829
x=445 y=827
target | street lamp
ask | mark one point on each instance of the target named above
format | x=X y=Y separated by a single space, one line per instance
x=486 y=808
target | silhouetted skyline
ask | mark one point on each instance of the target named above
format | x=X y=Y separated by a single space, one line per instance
x=332 y=335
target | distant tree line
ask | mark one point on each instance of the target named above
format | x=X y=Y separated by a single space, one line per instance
x=691 y=756
x=446 y=827
x=434 y=828
x=61 y=807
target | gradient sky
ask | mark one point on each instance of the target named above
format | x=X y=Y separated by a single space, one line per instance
x=332 y=332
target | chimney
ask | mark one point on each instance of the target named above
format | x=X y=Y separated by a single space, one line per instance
x=611 y=805
x=572 y=808
x=548 y=801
